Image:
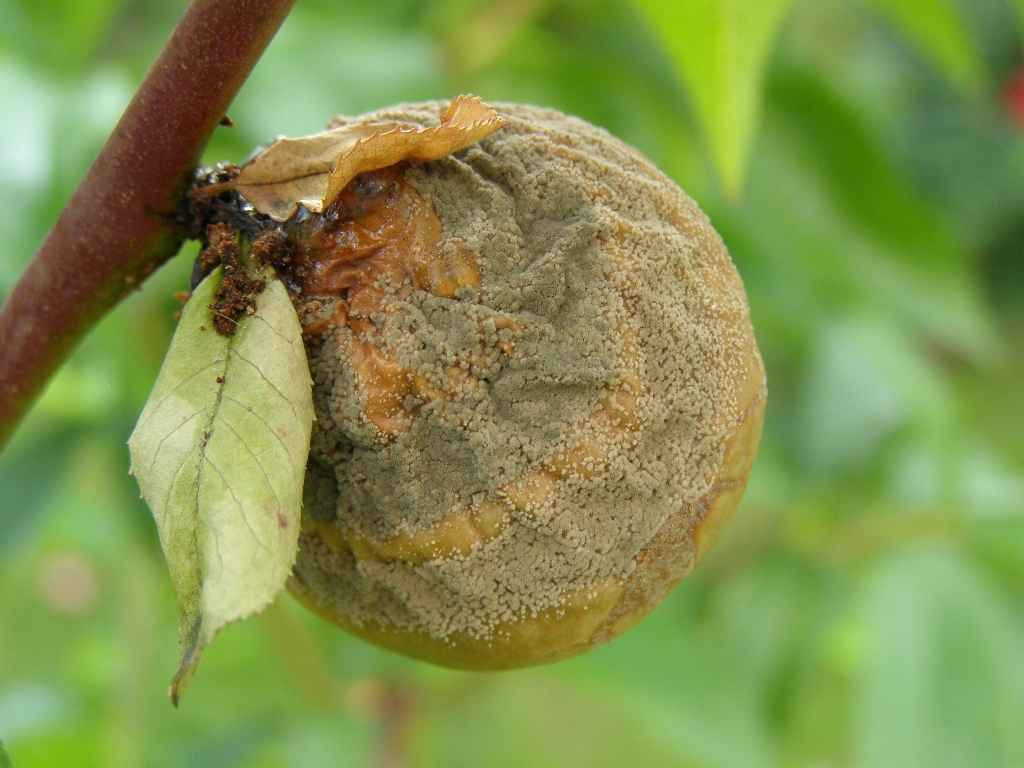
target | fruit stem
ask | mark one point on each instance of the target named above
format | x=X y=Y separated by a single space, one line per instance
x=123 y=220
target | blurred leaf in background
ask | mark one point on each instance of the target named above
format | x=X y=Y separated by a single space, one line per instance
x=721 y=50
x=941 y=34
x=865 y=165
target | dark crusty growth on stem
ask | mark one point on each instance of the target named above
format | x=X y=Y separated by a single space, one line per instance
x=569 y=403
x=237 y=293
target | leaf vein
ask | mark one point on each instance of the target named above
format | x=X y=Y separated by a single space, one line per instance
x=255 y=459
x=288 y=341
x=241 y=508
x=277 y=437
x=184 y=381
x=160 y=445
x=174 y=480
x=269 y=382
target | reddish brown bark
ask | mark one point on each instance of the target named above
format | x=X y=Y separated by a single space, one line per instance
x=118 y=227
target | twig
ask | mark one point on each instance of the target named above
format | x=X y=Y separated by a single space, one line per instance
x=120 y=224
x=397 y=712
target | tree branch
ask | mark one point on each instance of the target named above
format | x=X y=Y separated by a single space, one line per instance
x=119 y=227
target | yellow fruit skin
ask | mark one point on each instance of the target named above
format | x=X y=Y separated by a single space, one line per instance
x=552 y=635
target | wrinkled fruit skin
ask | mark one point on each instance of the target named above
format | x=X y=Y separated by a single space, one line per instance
x=538 y=396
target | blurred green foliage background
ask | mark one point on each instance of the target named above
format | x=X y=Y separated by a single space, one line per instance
x=864 y=160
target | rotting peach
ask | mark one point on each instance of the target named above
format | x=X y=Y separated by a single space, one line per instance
x=538 y=394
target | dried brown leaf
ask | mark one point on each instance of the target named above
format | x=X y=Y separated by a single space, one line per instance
x=313 y=170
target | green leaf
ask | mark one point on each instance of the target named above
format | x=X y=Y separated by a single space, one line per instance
x=941 y=35
x=60 y=33
x=840 y=145
x=865 y=379
x=839 y=248
x=721 y=50
x=942 y=681
x=1017 y=7
x=220 y=454
x=5 y=759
